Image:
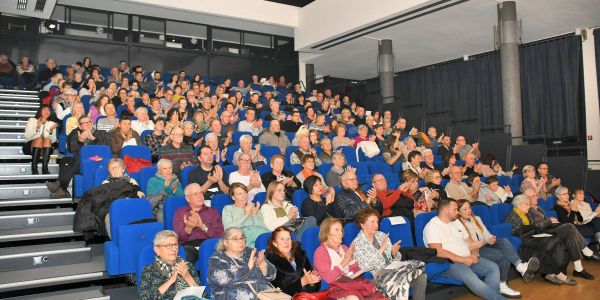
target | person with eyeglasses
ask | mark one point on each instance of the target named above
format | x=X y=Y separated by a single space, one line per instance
x=352 y=198
x=236 y=271
x=196 y=222
x=168 y=273
x=573 y=211
x=244 y=214
x=83 y=135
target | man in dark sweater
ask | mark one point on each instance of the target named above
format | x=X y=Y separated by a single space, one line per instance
x=207 y=175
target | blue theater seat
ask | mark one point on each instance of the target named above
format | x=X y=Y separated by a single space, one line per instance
x=206 y=250
x=87 y=166
x=170 y=206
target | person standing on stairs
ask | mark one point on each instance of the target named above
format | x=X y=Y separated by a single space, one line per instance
x=40 y=134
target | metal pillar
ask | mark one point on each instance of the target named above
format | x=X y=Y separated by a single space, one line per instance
x=310 y=76
x=509 y=38
x=385 y=68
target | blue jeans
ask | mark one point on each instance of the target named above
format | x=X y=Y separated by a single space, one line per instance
x=489 y=288
x=309 y=222
x=503 y=254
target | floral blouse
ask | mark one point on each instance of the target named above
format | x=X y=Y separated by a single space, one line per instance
x=229 y=277
x=153 y=277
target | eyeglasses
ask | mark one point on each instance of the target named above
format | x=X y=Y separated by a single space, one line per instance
x=170 y=246
x=85 y=122
x=351 y=179
x=195 y=194
x=237 y=239
x=379 y=180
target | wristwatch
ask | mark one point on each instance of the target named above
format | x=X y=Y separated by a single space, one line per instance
x=205 y=229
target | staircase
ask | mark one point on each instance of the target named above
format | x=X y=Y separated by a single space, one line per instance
x=39 y=252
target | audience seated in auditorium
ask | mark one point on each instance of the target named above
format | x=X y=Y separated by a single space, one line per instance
x=456 y=189
x=339 y=166
x=164 y=183
x=352 y=198
x=319 y=201
x=236 y=271
x=278 y=211
x=490 y=166
x=413 y=164
x=244 y=214
x=498 y=250
x=246 y=148
x=168 y=273
x=111 y=120
x=83 y=135
x=218 y=152
x=335 y=262
x=363 y=135
x=40 y=134
x=156 y=139
x=294 y=271
x=446 y=148
x=552 y=182
x=308 y=169
x=428 y=161
x=375 y=253
x=340 y=138
x=61 y=104
x=251 y=124
x=392 y=153
x=573 y=212
x=471 y=167
x=196 y=222
x=245 y=175
x=97 y=108
x=277 y=173
x=303 y=149
x=492 y=193
x=142 y=122
x=313 y=137
x=209 y=176
x=530 y=182
x=293 y=123
x=433 y=180
x=464 y=148
x=575 y=243
x=175 y=150
x=123 y=136
x=116 y=173
x=274 y=136
x=77 y=111
x=451 y=240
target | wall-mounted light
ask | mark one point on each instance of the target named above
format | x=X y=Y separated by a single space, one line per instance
x=21 y=4
x=51 y=24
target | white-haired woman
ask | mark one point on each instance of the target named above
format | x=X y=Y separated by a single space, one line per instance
x=303 y=130
x=164 y=181
x=530 y=182
x=116 y=172
x=142 y=121
x=233 y=268
x=212 y=141
x=169 y=273
x=246 y=148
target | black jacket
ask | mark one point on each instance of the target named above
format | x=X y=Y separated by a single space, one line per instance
x=95 y=203
x=347 y=203
x=287 y=278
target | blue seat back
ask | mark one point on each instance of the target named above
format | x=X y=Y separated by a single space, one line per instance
x=260 y=198
x=500 y=212
x=350 y=154
x=323 y=169
x=298 y=198
x=144 y=134
x=420 y=221
x=100 y=175
x=137 y=151
x=361 y=168
x=235 y=137
x=263 y=239
x=145 y=174
x=228 y=169
x=382 y=168
x=485 y=213
x=125 y=211
x=398 y=232
x=295 y=168
x=170 y=206
x=288 y=153
x=269 y=151
x=310 y=243
x=351 y=230
x=88 y=166
x=206 y=250
x=185 y=174
x=219 y=201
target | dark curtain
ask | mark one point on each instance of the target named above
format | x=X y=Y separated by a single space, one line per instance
x=550 y=87
x=465 y=89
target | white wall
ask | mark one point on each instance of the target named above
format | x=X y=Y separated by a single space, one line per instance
x=324 y=19
x=592 y=106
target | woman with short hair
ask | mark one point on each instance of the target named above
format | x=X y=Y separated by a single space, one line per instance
x=236 y=271
x=169 y=273
x=244 y=214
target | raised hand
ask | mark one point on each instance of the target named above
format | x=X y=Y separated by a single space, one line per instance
x=330 y=196
x=252 y=259
x=396 y=247
x=292 y=213
x=261 y=262
x=384 y=243
x=248 y=209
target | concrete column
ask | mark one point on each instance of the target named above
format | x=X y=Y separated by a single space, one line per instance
x=592 y=107
x=508 y=29
x=385 y=69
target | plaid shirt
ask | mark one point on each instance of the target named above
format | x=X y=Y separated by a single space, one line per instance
x=154 y=142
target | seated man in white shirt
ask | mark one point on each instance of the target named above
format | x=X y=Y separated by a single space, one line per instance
x=451 y=240
x=247 y=176
x=456 y=189
x=251 y=124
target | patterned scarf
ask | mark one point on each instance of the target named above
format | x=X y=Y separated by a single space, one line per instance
x=521 y=215
x=167 y=270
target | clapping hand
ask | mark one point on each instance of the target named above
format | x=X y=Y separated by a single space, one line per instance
x=491 y=240
x=255 y=208
x=292 y=213
x=252 y=259
x=330 y=196
x=396 y=247
x=261 y=261
x=311 y=277
x=348 y=256
x=371 y=196
x=384 y=243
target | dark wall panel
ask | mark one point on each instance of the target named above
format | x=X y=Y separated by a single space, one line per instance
x=169 y=60
x=496 y=144
x=68 y=51
x=569 y=169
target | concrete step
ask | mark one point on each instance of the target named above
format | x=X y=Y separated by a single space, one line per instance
x=29 y=113
x=28 y=98
x=42 y=256
x=34 y=202
x=21 y=234
x=18 y=92
x=36 y=218
x=12 y=135
x=13 y=123
x=11 y=150
x=18 y=104
x=11 y=169
x=20 y=128
x=88 y=293
x=12 y=116
x=24 y=191
x=92 y=270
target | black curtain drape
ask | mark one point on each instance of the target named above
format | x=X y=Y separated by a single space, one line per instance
x=551 y=93
x=465 y=89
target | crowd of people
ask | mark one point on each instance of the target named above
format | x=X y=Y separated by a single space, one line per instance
x=191 y=122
